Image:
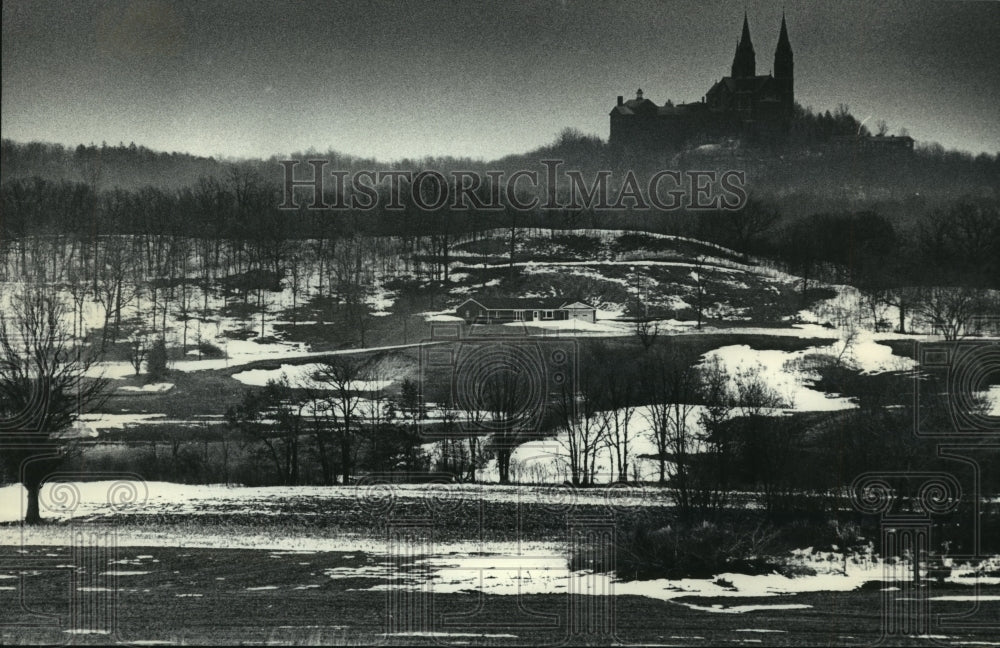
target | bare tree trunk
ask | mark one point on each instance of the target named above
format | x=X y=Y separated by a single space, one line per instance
x=33 y=515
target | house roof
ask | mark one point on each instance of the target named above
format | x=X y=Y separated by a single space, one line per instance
x=518 y=303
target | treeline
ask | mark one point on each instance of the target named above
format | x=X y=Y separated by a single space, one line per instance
x=129 y=167
x=814 y=159
x=954 y=242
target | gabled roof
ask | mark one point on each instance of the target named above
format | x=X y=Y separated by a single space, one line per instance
x=636 y=107
x=525 y=303
x=737 y=84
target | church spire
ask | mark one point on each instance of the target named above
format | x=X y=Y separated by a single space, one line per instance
x=744 y=63
x=745 y=36
x=783 y=60
x=784 y=47
x=784 y=68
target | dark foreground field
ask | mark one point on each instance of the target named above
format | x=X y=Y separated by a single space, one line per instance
x=191 y=596
x=431 y=564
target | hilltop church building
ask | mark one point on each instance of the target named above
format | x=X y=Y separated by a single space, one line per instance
x=743 y=103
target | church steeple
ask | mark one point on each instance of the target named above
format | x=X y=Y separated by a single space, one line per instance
x=744 y=63
x=784 y=67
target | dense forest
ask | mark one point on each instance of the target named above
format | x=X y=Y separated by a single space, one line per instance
x=860 y=219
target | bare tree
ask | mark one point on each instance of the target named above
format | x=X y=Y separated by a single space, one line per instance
x=343 y=377
x=295 y=276
x=701 y=275
x=43 y=390
x=113 y=288
x=718 y=397
x=585 y=428
x=138 y=348
x=749 y=224
x=674 y=382
x=474 y=419
x=647 y=332
x=766 y=442
x=274 y=418
x=505 y=396
x=352 y=280
x=619 y=400
x=953 y=312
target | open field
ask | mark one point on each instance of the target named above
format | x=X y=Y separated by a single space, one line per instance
x=177 y=596
x=428 y=565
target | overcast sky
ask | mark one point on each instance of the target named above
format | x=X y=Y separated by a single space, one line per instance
x=394 y=79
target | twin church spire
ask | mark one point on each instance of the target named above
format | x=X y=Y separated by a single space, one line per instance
x=745 y=60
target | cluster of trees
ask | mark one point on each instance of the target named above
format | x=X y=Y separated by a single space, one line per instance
x=712 y=430
x=339 y=420
x=152 y=259
x=809 y=126
x=945 y=270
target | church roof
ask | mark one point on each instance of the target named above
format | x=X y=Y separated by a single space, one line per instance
x=636 y=107
x=681 y=110
x=743 y=84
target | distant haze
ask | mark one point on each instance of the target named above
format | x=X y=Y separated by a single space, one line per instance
x=392 y=80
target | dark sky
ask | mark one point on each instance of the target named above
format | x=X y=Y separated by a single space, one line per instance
x=479 y=79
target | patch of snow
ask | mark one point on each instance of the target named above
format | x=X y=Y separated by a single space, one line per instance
x=571 y=326
x=103 y=421
x=441 y=317
x=992 y=396
x=301 y=374
x=742 y=609
x=154 y=388
x=965 y=597
x=794 y=386
x=432 y=633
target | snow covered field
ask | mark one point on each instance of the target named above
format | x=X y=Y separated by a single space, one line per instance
x=485 y=565
x=67 y=500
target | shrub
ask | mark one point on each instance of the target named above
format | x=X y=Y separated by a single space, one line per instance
x=685 y=550
x=209 y=350
x=156 y=362
x=821 y=535
x=240 y=334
